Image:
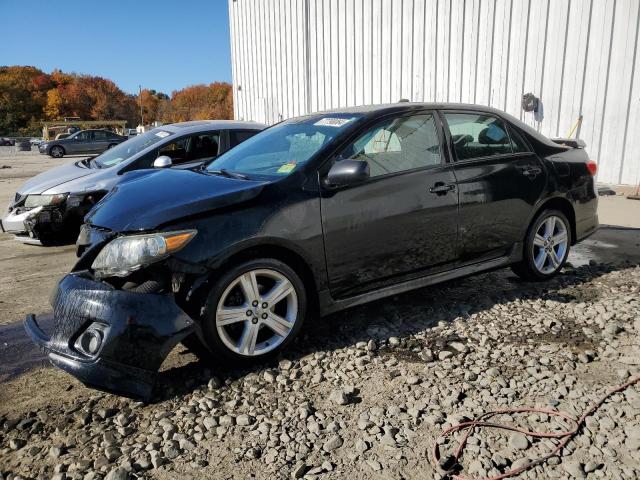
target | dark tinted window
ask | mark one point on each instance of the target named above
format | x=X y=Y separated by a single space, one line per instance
x=236 y=137
x=204 y=146
x=397 y=145
x=113 y=135
x=477 y=135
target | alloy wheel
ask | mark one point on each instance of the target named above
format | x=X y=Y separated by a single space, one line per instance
x=256 y=312
x=550 y=245
x=56 y=152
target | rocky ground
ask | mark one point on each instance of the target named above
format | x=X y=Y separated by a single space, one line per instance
x=365 y=393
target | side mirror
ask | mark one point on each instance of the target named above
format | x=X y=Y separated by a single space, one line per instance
x=162 y=162
x=348 y=172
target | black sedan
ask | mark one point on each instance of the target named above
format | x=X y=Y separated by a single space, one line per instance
x=81 y=143
x=310 y=216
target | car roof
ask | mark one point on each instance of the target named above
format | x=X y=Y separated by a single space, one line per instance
x=375 y=110
x=204 y=125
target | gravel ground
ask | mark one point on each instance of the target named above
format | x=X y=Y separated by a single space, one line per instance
x=364 y=393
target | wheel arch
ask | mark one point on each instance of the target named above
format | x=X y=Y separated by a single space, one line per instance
x=201 y=286
x=562 y=204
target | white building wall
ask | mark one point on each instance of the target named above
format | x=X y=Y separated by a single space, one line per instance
x=291 y=57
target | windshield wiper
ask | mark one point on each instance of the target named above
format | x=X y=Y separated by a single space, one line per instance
x=226 y=173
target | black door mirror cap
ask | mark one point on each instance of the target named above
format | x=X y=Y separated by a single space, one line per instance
x=347 y=172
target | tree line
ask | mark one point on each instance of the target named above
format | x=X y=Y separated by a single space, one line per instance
x=29 y=96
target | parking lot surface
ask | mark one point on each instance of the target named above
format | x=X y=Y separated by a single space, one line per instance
x=362 y=394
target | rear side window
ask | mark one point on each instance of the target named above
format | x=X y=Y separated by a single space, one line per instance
x=518 y=144
x=397 y=145
x=476 y=135
x=236 y=137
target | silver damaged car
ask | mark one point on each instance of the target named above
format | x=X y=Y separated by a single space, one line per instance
x=50 y=207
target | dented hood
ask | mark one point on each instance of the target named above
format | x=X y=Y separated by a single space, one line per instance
x=146 y=201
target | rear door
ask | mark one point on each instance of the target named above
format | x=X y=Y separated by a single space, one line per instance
x=499 y=178
x=402 y=222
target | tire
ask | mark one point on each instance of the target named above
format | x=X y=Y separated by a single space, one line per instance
x=111 y=145
x=273 y=325
x=545 y=251
x=57 y=151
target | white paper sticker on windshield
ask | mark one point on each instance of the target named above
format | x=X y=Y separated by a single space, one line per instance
x=162 y=134
x=332 y=122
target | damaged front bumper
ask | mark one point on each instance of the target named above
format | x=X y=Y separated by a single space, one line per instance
x=19 y=222
x=110 y=339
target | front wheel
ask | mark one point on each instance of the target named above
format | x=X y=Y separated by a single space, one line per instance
x=57 y=151
x=546 y=246
x=254 y=311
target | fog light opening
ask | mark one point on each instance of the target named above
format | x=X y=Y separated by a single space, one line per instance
x=90 y=342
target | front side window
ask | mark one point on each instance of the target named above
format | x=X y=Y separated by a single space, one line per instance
x=83 y=136
x=284 y=148
x=397 y=145
x=176 y=151
x=477 y=135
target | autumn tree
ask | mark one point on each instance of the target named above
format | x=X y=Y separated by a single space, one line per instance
x=29 y=95
x=203 y=102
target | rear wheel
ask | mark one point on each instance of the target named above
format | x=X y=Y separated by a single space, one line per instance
x=254 y=311
x=546 y=246
x=56 y=151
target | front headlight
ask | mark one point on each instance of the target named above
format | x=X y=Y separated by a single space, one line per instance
x=128 y=253
x=44 y=200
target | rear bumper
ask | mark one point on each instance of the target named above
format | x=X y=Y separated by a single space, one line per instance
x=586 y=227
x=136 y=330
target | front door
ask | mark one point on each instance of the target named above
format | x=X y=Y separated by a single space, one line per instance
x=80 y=143
x=499 y=179
x=402 y=222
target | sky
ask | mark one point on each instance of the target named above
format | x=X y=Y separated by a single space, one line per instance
x=159 y=44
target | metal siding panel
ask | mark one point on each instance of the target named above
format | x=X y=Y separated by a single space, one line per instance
x=617 y=93
x=596 y=78
x=406 y=57
x=552 y=73
x=456 y=50
x=358 y=53
x=630 y=171
x=418 y=46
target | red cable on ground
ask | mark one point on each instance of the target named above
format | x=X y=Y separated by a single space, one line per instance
x=479 y=422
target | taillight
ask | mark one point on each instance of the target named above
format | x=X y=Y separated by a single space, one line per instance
x=592 y=167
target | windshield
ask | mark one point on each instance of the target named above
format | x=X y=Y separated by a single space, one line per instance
x=284 y=148
x=129 y=148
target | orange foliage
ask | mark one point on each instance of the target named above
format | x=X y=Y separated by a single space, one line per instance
x=28 y=96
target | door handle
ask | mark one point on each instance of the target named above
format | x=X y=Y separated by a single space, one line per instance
x=440 y=188
x=530 y=171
